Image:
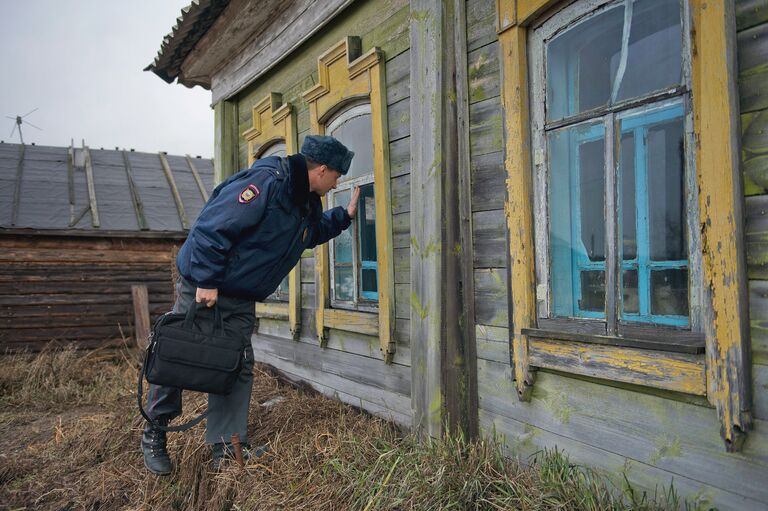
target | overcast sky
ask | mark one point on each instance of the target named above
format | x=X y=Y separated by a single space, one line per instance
x=80 y=63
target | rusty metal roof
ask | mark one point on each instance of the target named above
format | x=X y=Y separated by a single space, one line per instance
x=194 y=22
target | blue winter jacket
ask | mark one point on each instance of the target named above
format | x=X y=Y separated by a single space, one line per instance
x=254 y=228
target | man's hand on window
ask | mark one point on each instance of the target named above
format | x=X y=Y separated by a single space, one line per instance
x=207 y=296
x=352 y=207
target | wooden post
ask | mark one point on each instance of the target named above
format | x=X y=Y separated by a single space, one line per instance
x=225 y=140
x=140 y=297
x=91 y=188
x=174 y=191
x=443 y=388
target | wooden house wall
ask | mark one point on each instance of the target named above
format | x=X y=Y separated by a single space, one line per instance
x=652 y=437
x=351 y=366
x=77 y=290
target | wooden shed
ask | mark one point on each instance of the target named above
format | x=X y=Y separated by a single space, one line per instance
x=564 y=236
x=80 y=227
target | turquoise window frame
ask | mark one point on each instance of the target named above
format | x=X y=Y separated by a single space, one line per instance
x=639 y=124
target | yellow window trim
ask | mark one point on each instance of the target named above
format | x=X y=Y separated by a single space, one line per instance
x=724 y=379
x=274 y=122
x=345 y=76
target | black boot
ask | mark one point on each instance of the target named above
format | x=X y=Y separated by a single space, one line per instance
x=153 y=444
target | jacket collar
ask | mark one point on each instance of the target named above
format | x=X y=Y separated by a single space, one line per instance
x=299 y=179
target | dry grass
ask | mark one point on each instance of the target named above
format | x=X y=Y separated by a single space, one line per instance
x=70 y=435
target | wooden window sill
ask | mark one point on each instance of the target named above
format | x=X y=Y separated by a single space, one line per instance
x=352 y=321
x=679 y=372
x=671 y=341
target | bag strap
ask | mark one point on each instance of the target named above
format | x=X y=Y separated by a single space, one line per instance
x=180 y=427
x=218 y=320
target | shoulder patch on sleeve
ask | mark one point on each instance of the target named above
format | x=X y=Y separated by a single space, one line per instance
x=250 y=193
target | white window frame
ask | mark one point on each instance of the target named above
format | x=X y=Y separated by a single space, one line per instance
x=357 y=303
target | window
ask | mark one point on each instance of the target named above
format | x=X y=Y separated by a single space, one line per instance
x=353 y=254
x=281 y=294
x=354 y=274
x=614 y=179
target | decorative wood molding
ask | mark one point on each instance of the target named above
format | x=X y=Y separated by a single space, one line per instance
x=716 y=130
x=274 y=122
x=345 y=75
x=521 y=262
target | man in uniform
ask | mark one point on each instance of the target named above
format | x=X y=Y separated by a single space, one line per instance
x=249 y=235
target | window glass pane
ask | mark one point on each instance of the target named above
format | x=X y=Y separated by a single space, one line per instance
x=627 y=196
x=592 y=291
x=577 y=220
x=369 y=282
x=344 y=285
x=630 y=301
x=355 y=133
x=654 y=59
x=367 y=223
x=666 y=191
x=591 y=168
x=669 y=292
x=342 y=244
x=582 y=64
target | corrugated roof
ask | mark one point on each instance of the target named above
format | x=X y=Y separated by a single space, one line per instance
x=93 y=191
x=194 y=22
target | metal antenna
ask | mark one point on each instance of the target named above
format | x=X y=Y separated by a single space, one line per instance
x=18 y=120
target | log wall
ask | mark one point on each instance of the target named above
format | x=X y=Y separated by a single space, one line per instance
x=76 y=291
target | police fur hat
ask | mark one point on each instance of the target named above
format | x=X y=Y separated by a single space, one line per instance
x=327 y=151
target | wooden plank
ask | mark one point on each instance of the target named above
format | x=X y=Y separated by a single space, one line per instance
x=398 y=119
x=140 y=314
x=365 y=323
x=135 y=198
x=490 y=239
x=91 y=188
x=760 y=391
x=71 y=182
x=720 y=194
x=17 y=187
x=401 y=230
x=690 y=343
x=426 y=119
x=481 y=23
x=754 y=141
x=198 y=180
x=15 y=255
x=750 y=13
x=758 y=318
x=484 y=73
x=485 y=129
x=516 y=129
x=664 y=370
x=398 y=77
x=400 y=157
x=64 y=298
x=491 y=297
x=174 y=191
x=488 y=186
x=272 y=310
x=225 y=159
x=756 y=213
x=402 y=261
x=753 y=68
x=401 y=194
x=353 y=368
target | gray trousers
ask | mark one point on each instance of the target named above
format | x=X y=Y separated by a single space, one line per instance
x=228 y=414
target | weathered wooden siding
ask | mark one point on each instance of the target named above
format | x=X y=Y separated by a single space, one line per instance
x=77 y=291
x=653 y=437
x=351 y=366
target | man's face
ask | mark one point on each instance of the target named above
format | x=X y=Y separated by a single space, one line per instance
x=327 y=180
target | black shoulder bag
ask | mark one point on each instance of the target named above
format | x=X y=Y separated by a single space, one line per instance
x=181 y=354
